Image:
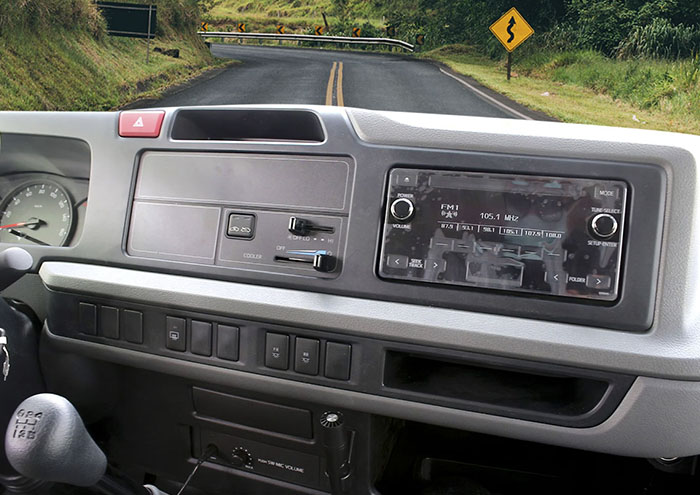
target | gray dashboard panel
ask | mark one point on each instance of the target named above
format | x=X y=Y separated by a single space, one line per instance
x=635 y=429
x=501 y=335
x=117 y=159
x=663 y=403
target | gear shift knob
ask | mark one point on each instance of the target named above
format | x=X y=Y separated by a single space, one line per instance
x=14 y=262
x=46 y=440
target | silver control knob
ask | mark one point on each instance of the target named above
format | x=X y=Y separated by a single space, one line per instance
x=604 y=225
x=402 y=209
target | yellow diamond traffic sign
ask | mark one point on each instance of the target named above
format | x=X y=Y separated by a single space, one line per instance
x=511 y=29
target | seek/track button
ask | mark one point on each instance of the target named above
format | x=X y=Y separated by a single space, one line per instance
x=397 y=261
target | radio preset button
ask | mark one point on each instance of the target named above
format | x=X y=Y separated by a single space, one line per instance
x=604 y=225
x=402 y=209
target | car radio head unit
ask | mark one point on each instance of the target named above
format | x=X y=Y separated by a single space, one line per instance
x=543 y=235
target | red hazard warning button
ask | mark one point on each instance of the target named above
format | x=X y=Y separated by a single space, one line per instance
x=141 y=124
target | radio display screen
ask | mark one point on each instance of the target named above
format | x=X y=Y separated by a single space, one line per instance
x=545 y=235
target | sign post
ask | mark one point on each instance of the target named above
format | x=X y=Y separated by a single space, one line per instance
x=509 y=64
x=148 y=40
x=511 y=30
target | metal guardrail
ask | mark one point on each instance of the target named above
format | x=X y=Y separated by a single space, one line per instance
x=309 y=37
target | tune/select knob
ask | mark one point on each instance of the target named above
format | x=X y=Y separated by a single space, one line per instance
x=402 y=209
x=241 y=457
x=604 y=225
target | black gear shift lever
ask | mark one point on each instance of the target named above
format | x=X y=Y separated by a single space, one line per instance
x=14 y=263
x=46 y=440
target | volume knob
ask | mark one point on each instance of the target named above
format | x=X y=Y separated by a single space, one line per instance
x=402 y=209
x=240 y=457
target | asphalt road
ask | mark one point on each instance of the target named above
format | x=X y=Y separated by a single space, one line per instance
x=272 y=75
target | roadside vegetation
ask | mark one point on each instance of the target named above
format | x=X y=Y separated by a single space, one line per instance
x=630 y=63
x=298 y=16
x=56 y=55
x=587 y=88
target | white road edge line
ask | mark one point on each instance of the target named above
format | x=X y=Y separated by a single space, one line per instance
x=491 y=99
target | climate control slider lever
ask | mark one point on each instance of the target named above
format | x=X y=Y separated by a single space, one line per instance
x=320 y=260
x=301 y=226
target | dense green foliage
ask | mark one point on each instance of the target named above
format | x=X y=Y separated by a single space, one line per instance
x=626 y=28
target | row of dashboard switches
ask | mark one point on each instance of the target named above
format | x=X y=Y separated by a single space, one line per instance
x=307 y=356
x=110 y=322
x=201 y=335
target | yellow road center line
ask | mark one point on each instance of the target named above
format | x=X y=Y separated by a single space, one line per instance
x=329 y=88
x=339 y=88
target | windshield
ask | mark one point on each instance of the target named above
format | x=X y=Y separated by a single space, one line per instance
x=627 y=63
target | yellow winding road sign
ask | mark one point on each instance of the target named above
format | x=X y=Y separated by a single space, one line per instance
x=511 y=29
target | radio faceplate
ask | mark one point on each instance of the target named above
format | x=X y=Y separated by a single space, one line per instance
x=543 y=235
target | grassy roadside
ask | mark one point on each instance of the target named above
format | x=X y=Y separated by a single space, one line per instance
x=298 y=16
x=74 y=70
x=585 y=87
x=262 y=23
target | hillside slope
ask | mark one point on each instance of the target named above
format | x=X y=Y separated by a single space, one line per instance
x=56 y=55
x=296 y=15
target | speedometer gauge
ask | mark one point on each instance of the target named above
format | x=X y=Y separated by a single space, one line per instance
x=39 y=213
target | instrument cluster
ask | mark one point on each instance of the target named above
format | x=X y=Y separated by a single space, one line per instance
x=43 y=189
x=40 y=209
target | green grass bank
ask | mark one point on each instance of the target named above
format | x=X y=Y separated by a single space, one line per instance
x=583 y=86
x=56 y=55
